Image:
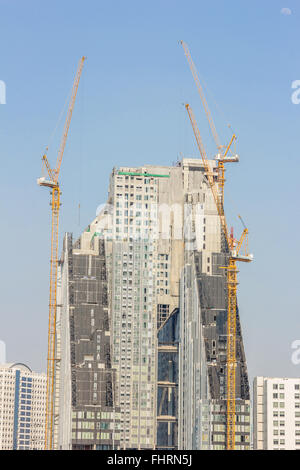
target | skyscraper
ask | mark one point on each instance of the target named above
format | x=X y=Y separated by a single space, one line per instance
x=161 y=253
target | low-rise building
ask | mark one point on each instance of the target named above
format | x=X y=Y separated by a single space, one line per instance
x=22 y=408
x=276 y=413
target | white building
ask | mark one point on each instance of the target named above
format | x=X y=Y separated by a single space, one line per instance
x=22 y=407
x=276 y=413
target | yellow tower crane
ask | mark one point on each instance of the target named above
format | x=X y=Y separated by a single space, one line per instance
x=53 y=184
x=234 y=249
x=223 y=155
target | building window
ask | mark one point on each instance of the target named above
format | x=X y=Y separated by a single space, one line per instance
x=162 y=313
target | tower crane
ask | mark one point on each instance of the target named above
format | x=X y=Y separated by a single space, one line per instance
x=52 y=183
x=223 y=155
x=234 y=248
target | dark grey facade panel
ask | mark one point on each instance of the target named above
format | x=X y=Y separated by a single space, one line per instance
x=93 y=379
x=212 y=291
x=167 y=380
x=213 y=299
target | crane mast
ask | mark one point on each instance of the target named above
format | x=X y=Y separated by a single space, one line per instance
x=234 y=248
x=53 y=184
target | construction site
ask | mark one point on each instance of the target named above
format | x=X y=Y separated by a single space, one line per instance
x=145 y=347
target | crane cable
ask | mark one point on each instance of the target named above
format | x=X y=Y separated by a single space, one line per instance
x=81 y=145
x=58 y=121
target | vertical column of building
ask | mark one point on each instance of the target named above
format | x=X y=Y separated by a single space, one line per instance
x=63 y=406
x=207 y=300
x=258 y=413
x=16 y=413
x=32 y=399
x=7 y=394
x=133 y=304
x=195 y=398
x=58 y=358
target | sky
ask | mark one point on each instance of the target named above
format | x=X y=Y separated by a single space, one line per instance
x=129 y=111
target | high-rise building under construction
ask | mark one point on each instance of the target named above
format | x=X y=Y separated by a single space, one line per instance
x=141 y=333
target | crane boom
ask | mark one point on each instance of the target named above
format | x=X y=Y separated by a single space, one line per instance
x=208 y=171
x=69 y=117
x=53 y=184
x=222 y=155
x=202 y=96
x=232 y=283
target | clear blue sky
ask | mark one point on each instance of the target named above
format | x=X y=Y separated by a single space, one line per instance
x=129 y=111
